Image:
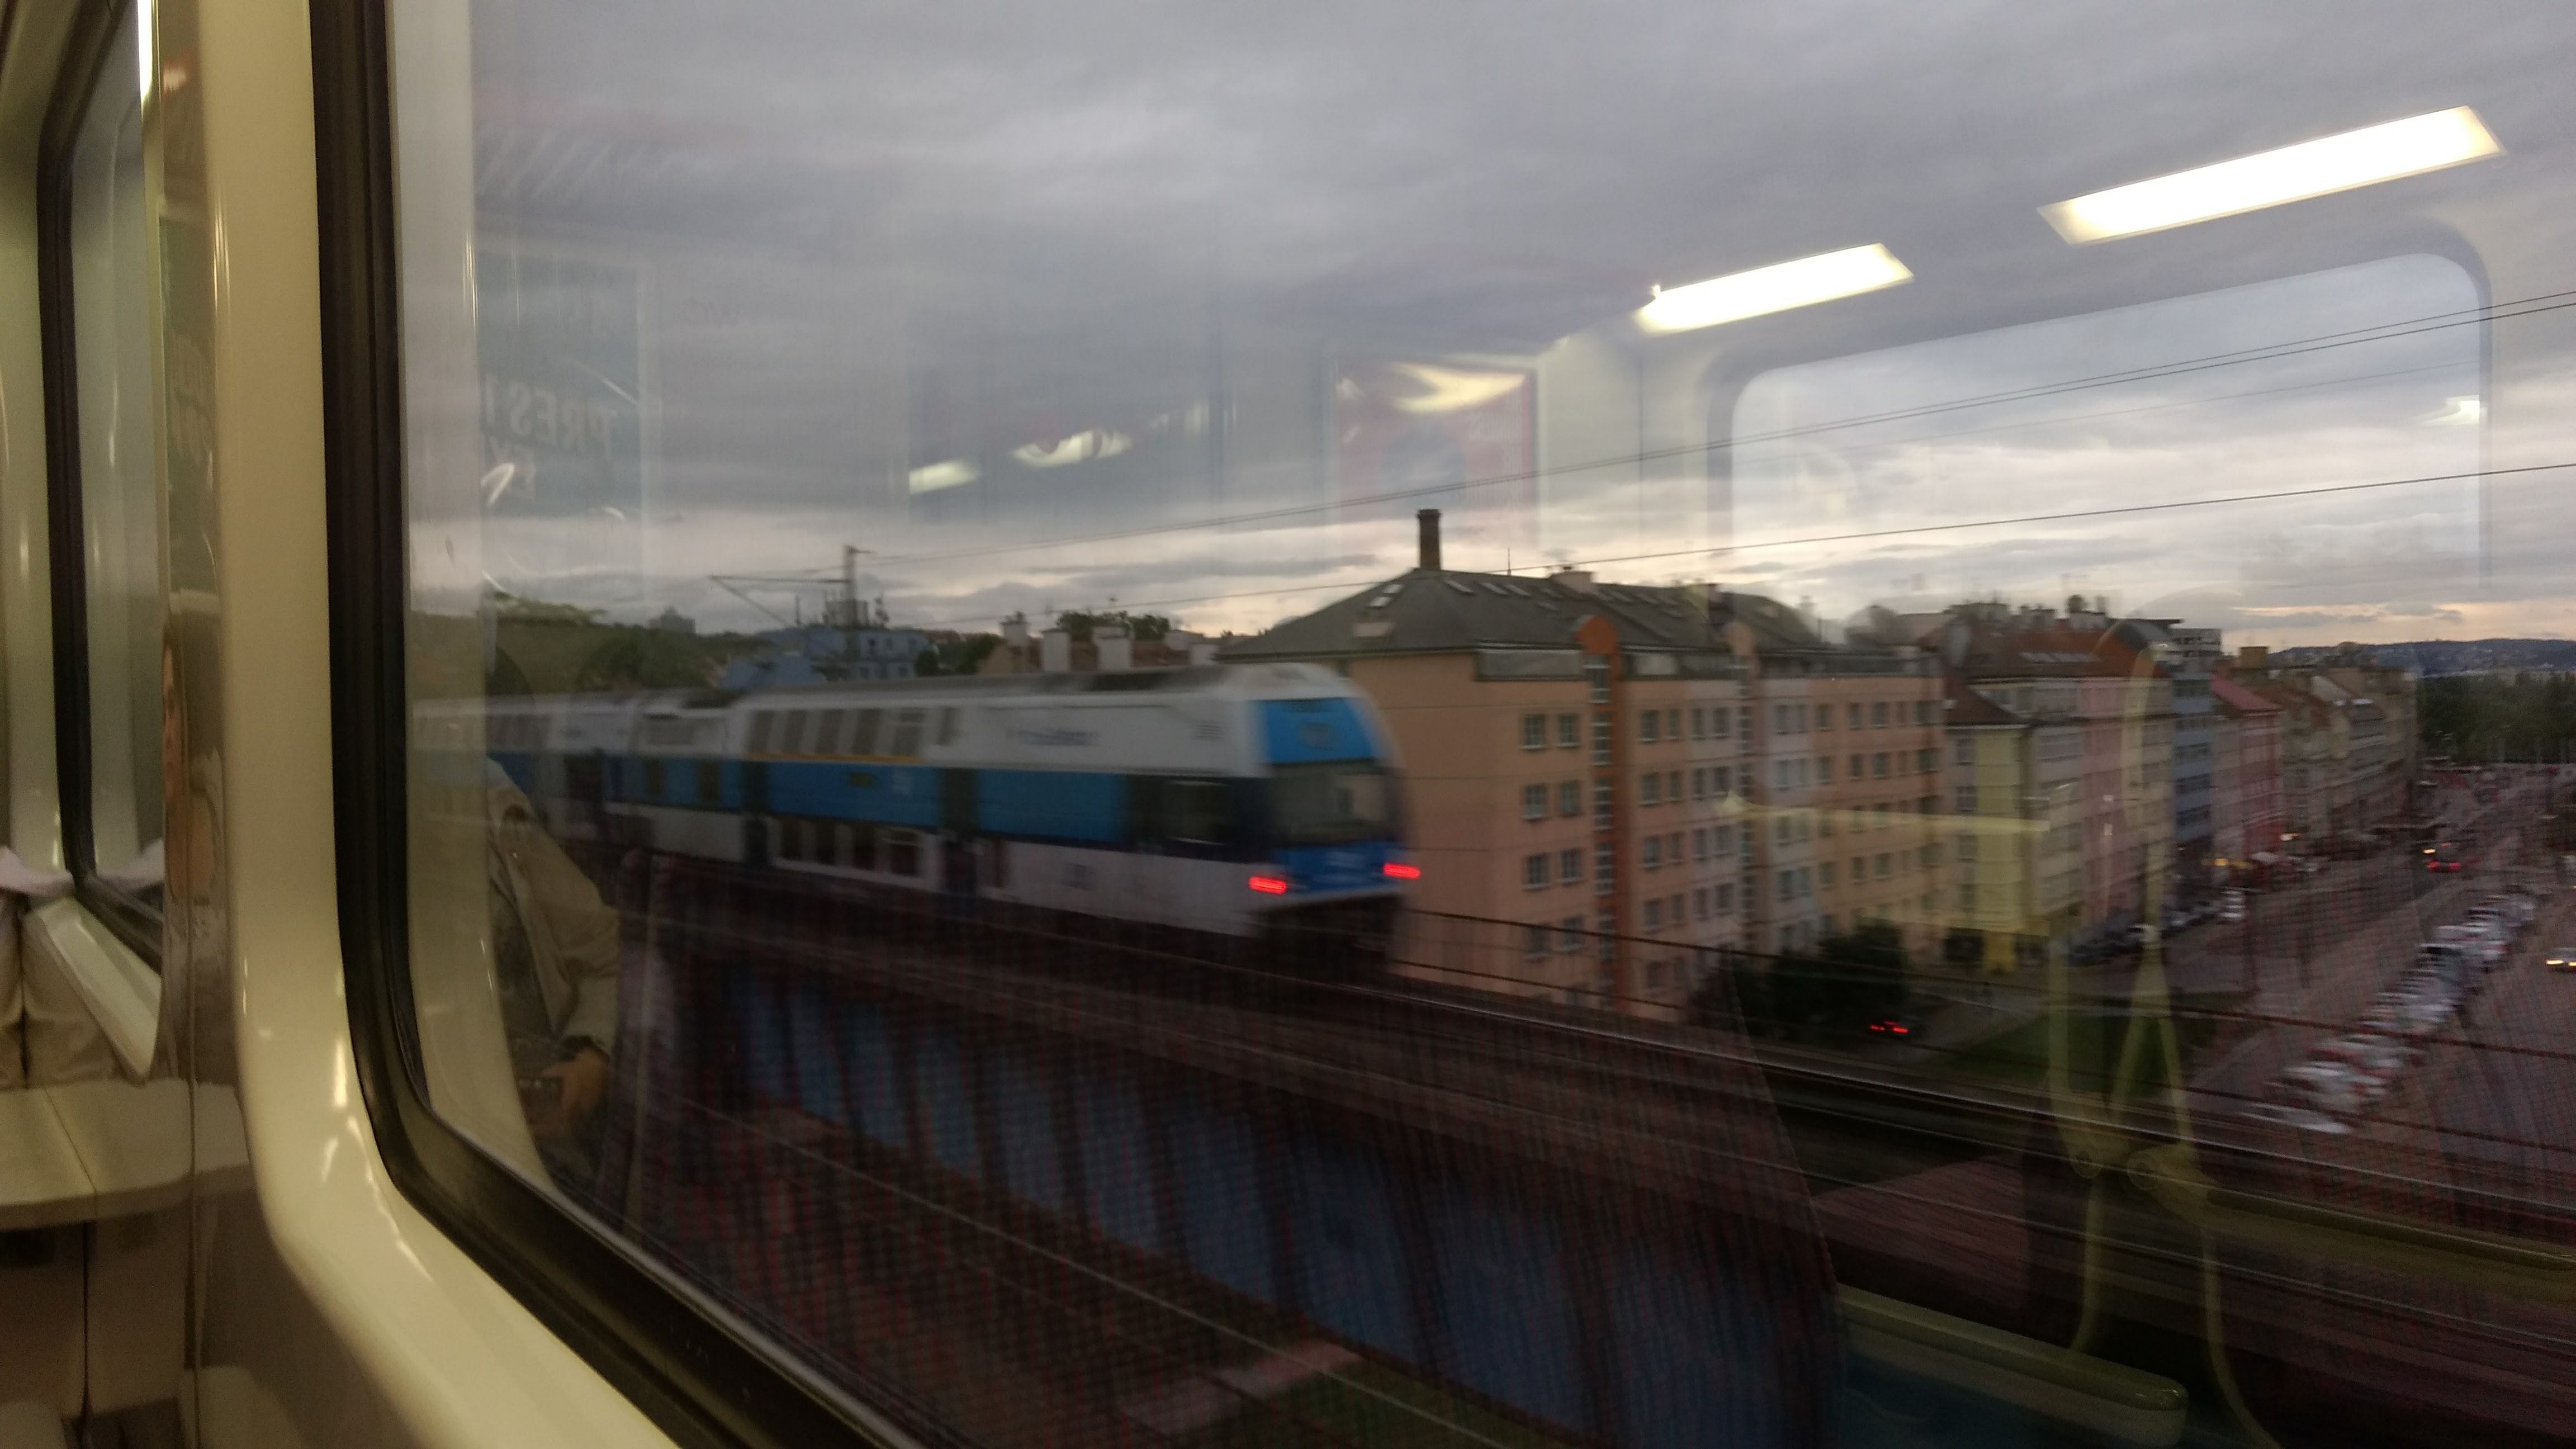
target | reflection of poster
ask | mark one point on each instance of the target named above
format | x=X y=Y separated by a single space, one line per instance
x=1458 y=437
x=559 y=342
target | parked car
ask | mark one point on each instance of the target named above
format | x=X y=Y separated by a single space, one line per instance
x=2563 y=958
x=2381 y=1058
x=2302 y=1118
x=2331 y=1086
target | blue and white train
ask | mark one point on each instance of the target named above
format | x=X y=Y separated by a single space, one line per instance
x=1252 y=803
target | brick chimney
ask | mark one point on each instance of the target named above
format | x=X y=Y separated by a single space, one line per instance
x=1427 y=525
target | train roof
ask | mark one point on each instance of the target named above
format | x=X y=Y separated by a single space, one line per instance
x=1252 y=680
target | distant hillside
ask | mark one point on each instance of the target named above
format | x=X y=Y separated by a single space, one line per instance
x=2433 y=657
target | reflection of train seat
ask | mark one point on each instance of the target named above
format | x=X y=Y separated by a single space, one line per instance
x=1505 y=1230
x=1994 y=1239
x=2440 y=1310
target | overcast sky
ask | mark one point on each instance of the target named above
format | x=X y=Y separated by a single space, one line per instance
x=1049 y=305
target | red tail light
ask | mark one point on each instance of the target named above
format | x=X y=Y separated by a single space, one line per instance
x=1398 y=870
x=1270 y=885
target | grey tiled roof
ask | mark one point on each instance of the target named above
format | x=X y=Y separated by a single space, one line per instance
x=1447 y=611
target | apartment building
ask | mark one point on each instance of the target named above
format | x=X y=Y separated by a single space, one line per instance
x=2015 y=822
x=2248 y=776
x=1845 y=776
x=2114 y=702
x=2191 y=657
x=1572 y=752
x=2350 y=739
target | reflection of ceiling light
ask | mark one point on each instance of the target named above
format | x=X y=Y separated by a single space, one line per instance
x=954 y=473
x=2462 y=410
x=2292 y=173
x=1080 y=448
x=1450 y=389
x=1776 y=288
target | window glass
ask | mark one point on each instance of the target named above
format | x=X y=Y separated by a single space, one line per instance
x=896 y=495
x=111 y=264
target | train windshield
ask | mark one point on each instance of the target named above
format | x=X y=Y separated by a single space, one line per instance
x=1331 y=804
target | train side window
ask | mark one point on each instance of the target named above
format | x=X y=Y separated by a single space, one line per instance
x=763 y=725
x=827 y=734
x=653 y=780
x=902 y=853
x=1194 y=811
x=863 y=731
x=109 y=557
x=791 y=738
x=710 y=775
x=907 y=734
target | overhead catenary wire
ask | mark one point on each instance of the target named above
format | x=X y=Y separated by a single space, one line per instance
x=1862 y=535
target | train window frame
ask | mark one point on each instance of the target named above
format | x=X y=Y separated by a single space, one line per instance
x=698 y=1373
x=132 y=922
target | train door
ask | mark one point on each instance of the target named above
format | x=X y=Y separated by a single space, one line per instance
x=960 y=847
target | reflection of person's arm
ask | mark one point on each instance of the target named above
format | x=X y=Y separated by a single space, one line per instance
x=584 y=931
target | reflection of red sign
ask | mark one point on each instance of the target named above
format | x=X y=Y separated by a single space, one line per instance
x=1458 y=437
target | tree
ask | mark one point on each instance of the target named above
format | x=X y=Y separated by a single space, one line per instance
x=1842 y=985
x=1142 y=627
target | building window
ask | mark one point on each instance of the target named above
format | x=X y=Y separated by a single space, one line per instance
x=1533 y=731
x=1926 y=761
x=1883 y=866
x=1673 y=786
x=1650 y=726
x=1964 y=750
x=1878 y=715
x=1878 y=765
x=1601 y=801
x=1967 y=847
x=1596 y=670
x=1533 y=941
x=1606 y=927
x=1699 y=904
x=1824 y=769
x=1825 y=875
x=1601 y=739
x=1569 y=934
x=1533 y=802
x=1569 y=866
x=1722 y=780
x=1699 y=844
x=1569 y=798
x=1824 y=716
x=1654 y=915
x=1534 y=871
x=1699 y=724
x=1851 y=716
x=1569 y=731
x=1859 y=869
x=1923 y=711
x=1788 y=885
x=1743 y=725
x=1717 y=722
x=1654 y=852
x=1673 y=723
x=1653 y=789
x=1605 y=868
x=1725 y=899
